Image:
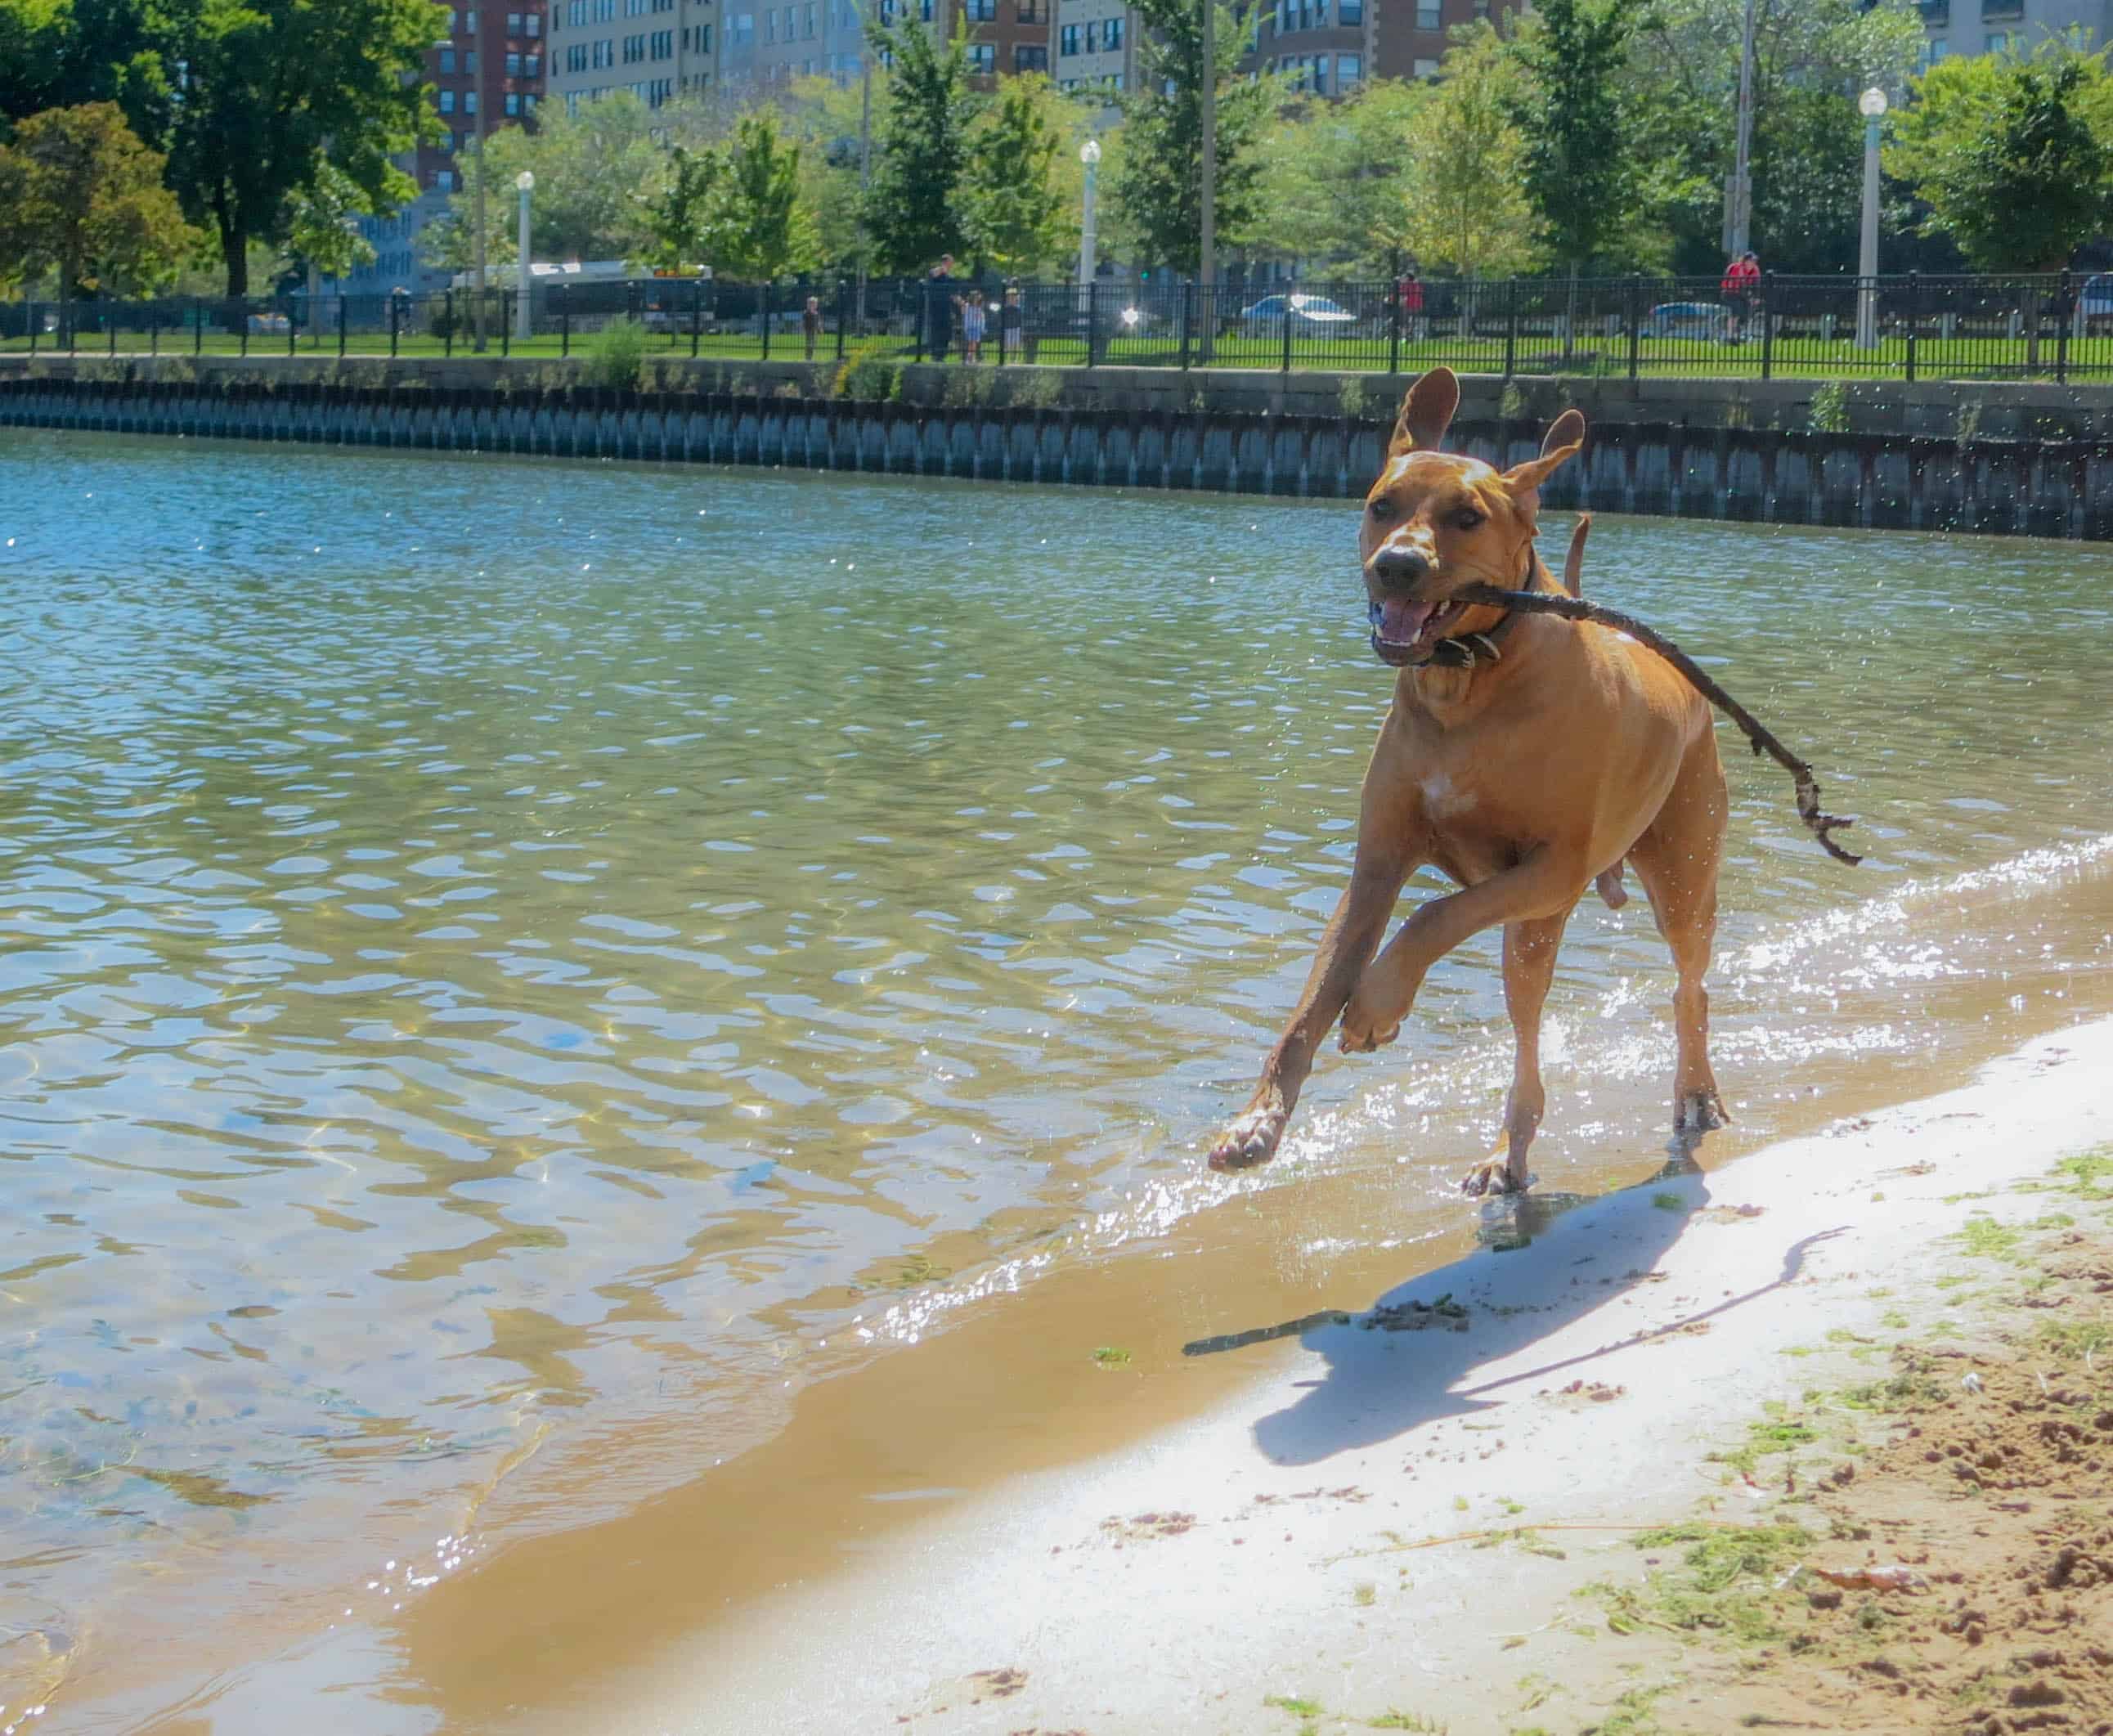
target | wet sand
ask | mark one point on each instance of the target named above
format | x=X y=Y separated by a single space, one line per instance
x=1254 y=1553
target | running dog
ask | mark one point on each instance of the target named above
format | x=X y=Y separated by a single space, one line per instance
x=1526 y=758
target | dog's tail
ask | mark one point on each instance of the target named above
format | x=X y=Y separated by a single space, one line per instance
x=1573 y=567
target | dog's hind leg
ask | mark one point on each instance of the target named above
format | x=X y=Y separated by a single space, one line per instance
x=1677 y=861
x=1530 y=952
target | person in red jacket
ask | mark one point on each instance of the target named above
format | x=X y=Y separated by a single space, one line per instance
x=1741 y=284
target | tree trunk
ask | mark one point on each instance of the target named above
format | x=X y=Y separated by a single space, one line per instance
x=235 y=253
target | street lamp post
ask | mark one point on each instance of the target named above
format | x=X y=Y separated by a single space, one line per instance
x=1089 y=153
x=1871 y=106
x=525 y=184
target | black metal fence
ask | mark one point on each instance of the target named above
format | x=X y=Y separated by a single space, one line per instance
x=2056 y=326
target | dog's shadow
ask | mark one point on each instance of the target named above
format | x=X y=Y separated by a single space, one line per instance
x=1546 y=1262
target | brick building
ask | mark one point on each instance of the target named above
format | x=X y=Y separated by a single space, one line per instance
x=491 y=66
x=1330 y=47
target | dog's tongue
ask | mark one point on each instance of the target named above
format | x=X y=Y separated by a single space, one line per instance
x=1400 y=620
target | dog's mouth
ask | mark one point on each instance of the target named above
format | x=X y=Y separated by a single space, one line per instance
x=1403 y=632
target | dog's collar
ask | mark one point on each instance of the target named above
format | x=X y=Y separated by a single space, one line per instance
x=1464 y=651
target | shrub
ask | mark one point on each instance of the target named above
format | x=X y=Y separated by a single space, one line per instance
x=1830 y=408
x=616 y=356
x=867 y=371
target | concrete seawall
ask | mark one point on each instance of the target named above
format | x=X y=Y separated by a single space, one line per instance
x=2042 y=488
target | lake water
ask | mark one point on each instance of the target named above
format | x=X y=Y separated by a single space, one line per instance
x=500 y=955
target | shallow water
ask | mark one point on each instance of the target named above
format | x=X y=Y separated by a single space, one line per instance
x=499 y=955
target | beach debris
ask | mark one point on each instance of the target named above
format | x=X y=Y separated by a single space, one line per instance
x=1263 y=1334
x=1595 y=1392
x=1894 y=1576
x=1972 y=1383
x=997 y=1684
x=1144 y=1527
x=1417 y=1317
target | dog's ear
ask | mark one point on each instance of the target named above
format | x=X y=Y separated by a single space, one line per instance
x=1425 y=413
x=1566 y=430
x=1524 y=479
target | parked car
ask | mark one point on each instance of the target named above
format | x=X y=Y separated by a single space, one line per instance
x=1311 y=316
x=1702 y=319
x=2097 y=303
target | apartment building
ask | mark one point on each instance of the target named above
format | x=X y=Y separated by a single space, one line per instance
x=656 y=49
x=489 y=70
x=1330 y=47
x=1096 y=45
x=772 y=42
x=1991 y=27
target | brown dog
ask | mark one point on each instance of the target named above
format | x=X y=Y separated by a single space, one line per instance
x=1525 y=756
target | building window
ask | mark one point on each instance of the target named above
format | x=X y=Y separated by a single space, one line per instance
x=447 y=101
x=469 y=101
x=1030 y=57
x=1999 y=41
x=513 y=65
x=810 y=20
x=445 y=179
x=1429 y=15
x=1093 y=36
x=1426 y=69
x=1067 y=38
x=534 y=20
x=1934 y=50
x=513 y=103
x=513 y=24
x=1033 y=11
x=535 y=65
x=982 y=57
x=1111 y=34
x=470 y=61
x=469 y=21
x=703 y=39
x=447 y=60
x=1350 y=73
x=770 y=26
x=1350 y=11
x=982 y=11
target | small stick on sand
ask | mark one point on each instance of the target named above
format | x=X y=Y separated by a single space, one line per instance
x=1821 y=825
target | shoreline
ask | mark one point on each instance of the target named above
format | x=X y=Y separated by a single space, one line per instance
x=1184 y=1582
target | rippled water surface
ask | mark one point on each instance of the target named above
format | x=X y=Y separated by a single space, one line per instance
x=493 y=950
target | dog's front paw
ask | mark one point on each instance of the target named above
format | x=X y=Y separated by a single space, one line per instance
x=1253 y=1138
x=1369 y=1021
x=1494 y=1176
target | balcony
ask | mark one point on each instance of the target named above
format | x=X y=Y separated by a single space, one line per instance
x=1936 y=14
x=1993 y=10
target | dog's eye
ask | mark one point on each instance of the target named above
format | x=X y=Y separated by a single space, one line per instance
x=1467 y=519
x=1381 y=508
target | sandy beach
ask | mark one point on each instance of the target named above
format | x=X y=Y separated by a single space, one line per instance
x=1257 y=1554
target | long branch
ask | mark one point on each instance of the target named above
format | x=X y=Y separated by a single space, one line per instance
x=1821 y=825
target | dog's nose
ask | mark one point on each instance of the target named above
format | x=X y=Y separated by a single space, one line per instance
x=1402 y=567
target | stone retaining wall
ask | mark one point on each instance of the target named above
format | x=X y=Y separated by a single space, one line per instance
x=2062 y=489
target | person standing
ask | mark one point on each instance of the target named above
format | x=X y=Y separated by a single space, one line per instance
x=1410 y=292
x=1010 y=320
x=811 y=324
x=972 y=325
x=939 y=309
x=1741 y=284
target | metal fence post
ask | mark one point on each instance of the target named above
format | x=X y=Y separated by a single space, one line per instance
x=1914 y=319
x=843 y=319
x=154 y=328
x=395 y=308
x=696 y=314
x=1188 y=321
x=341 y=321
x=110 y=328
x=290 y=327
x=767 y=296
x=448 y=323
x=1634 y=313
x=564 y=317
x=506 y=320
x=1394 y=326
x=1286 y=363
x=241 y=311
x=1511 y=326
x=1768 y=324
x=198 y=326
x=2062 y=334
x=1092 y=319
x=29 y=315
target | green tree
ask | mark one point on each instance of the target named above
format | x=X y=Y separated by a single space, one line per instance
x=62 y=53
x=1012 y=209
x=267 y=90
x=914 y=211
x=1158 y=186
x=1580 y=170
x=322 y=234
x=1809 y=57
x=1336 y=181
x=81 y=196
x=679 y=211
x=1465 y=211
x=759 y=229
x=2011 y=156
x=824 y=116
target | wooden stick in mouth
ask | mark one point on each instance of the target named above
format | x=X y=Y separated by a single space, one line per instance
x=1822 y=825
